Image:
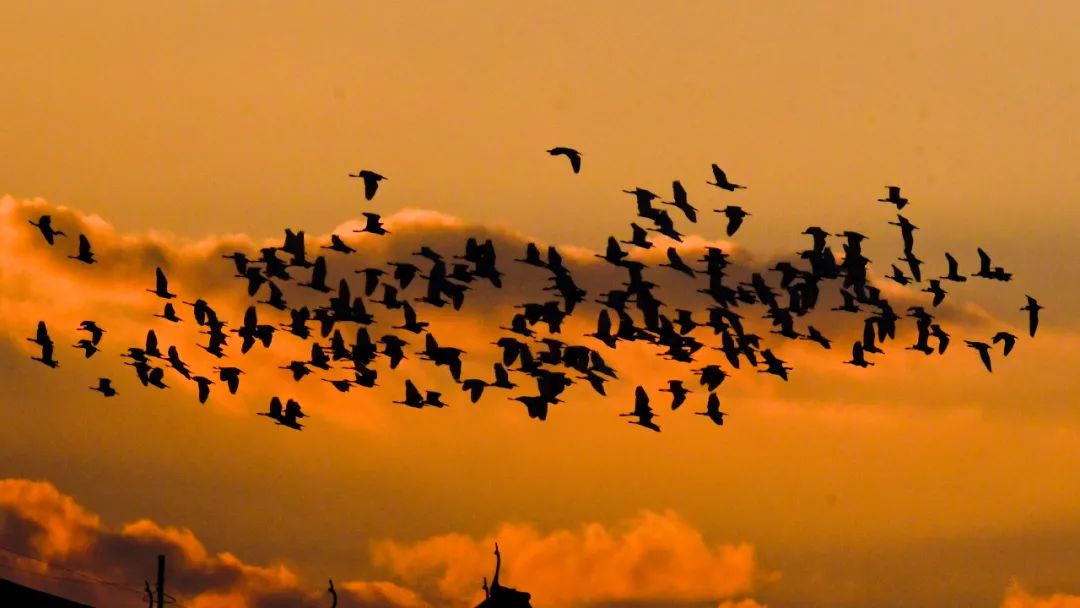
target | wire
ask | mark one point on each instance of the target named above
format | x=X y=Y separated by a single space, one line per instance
x=83 y=577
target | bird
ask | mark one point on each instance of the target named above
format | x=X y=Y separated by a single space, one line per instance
x=681 y=202
x=413 y=398
x=858 y=359
x=986 y=272
x=161 y=286
x=169 y=313
x=895 y=198
x=678 y=393
x=907 y=231
x=712 y=410
x=954 y=270
x=475 y=387
x=46 y=357
x=374 y=224
x=942 y=338
x=86 y=255
x=41 y=336
x=336 y=244
x=642 y=411
x=814 y=335
x=371 y=182
x=676 y=263
x=204 y=387
x=44 y=224
x=230 y=376
x=984 y=352
x=898 y=276
x=936 y=289
x=105 y=387
x=88 y=347
x=570 y=153
x=1032 y=309
x=1008 y=339
x=95 y=331
x=735 y=216
x=722 y=180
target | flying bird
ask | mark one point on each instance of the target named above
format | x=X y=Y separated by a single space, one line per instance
x=570 y=153
x=86 y=255
x=161 y=286
x=681 y=202
x=371 y=182
x=44 y=224
x=642 y=411
x=1009 y=340
x=984 y=352
x=735 y=216
x=712 y=410
x=895 y=198
x=954 y=270
x=722 y=180
x=1032 y=309
x=105 y=387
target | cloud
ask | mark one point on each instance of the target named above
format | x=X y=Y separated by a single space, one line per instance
x=1017 y=597
x=655 y=556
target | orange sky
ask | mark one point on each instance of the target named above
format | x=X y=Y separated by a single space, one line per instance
x=179 y=124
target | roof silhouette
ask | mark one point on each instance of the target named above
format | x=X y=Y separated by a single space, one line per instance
x=14 y=594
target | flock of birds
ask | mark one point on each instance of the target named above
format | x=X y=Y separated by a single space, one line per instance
x=632 y=313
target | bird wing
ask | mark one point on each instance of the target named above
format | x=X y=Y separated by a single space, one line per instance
x=575 y=161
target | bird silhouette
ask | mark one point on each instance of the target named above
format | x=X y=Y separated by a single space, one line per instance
x=1009 y=340
x=230 y=376
x=336 y=244
x=1032 y=309
x=938 y=292
x=722 y=180
x=570 y=153
x=735 y=216
x=681 y=202
x=89 y=349
x=642 y=411
x=204 y=387
x=96 y=332
x=986 y=271
x=858 y=357
x=169 y=313
x=161 y=286
x=371 y=182
x=984 y=352
x=895 y=198
x=413 y=398
x=678 y=393
x=954 y=270
x=86 y=255
x=105 y=387
x=373 y=224
x=712 y=410
x=44 y=224
x=907 y=232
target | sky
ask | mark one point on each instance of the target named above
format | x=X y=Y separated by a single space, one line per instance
x=174 y=133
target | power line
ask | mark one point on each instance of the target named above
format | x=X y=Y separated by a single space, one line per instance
x=83 y=577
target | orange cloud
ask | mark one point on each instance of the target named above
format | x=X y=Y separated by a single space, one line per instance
x=654 y=556
x=1017 y=597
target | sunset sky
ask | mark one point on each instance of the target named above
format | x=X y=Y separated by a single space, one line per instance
x=172 y=133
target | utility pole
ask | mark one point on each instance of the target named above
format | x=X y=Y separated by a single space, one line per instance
x=161 y=581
